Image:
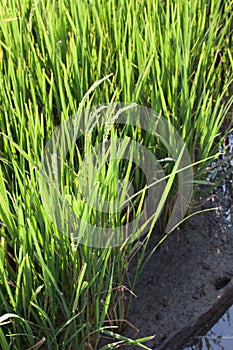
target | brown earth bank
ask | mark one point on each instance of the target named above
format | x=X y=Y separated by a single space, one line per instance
x=187 y=284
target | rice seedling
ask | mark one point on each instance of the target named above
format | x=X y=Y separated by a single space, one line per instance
x=56 y=58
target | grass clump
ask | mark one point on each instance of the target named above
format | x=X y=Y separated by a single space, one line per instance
x=172 y=56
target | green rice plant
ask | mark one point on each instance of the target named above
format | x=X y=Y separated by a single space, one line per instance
x=78 y=282
x=172 y=56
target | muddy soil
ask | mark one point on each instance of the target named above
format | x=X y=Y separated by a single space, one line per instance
x=188 y=283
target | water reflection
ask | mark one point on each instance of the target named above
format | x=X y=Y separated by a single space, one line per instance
x=226 y=186
x=220 y=337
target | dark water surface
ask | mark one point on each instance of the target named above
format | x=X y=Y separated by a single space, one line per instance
x=220 y=337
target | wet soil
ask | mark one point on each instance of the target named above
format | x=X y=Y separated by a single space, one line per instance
x=187 y=284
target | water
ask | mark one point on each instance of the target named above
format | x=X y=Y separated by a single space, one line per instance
x=220 y=337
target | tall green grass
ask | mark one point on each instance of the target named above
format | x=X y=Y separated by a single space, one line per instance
x=172 y=56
